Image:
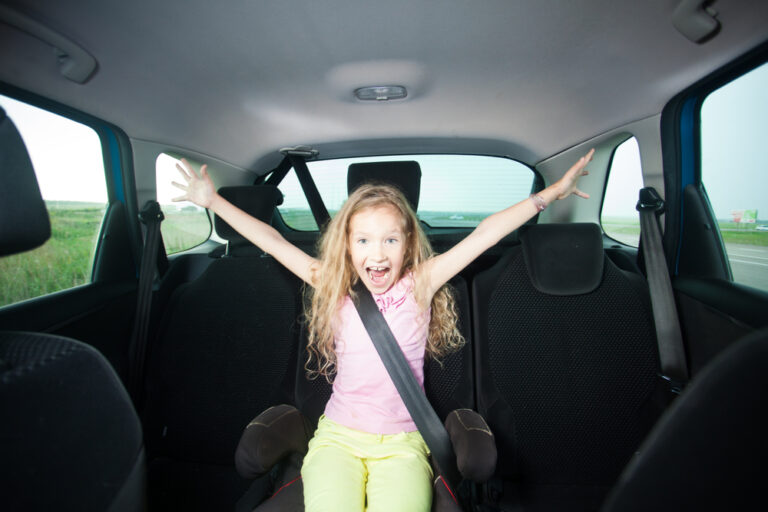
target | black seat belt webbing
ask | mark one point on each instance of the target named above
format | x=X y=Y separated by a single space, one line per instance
x=277 y=174
x=151 y=216
x=310 y=190
x=668 y=333
x=431 y=428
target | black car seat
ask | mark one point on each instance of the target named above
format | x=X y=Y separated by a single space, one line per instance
x=567 y=368
x=225 y=349
x=70 y=437
x=708 y=450
x=448 y=385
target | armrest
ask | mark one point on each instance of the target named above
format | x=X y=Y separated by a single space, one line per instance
x=473 y=443
x=269 y=437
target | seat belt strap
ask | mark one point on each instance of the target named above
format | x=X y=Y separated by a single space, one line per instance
x=277 y=174
x=298 y=156
x=668 y=334
x=430 y=427
x=151 y=216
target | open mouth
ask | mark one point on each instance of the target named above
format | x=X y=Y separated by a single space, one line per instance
x=378 y=275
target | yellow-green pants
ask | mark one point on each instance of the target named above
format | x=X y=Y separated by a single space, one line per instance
x=347 y=470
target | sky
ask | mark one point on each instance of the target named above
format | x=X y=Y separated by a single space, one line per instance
x=67 y=158
x=734 y=136
x=66 y=155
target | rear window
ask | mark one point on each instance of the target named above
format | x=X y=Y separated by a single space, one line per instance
x=456 y=190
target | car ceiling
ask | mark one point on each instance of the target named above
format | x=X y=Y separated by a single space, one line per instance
x=237 y=80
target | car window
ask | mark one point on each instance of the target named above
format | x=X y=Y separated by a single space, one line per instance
x=456 y=190
x=295 y=208
x=734 y=131
x=185 y=225
x=619 y=217
x=69 y=164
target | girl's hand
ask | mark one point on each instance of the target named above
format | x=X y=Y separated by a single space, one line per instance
x=567 y=184
x=199 y=189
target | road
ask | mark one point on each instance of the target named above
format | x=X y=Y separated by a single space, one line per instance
x=749 y=264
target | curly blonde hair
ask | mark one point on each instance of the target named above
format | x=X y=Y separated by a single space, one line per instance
x=335 y=276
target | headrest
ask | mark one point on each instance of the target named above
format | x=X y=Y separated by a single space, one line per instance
x=24 y=222
x=256 y=200
x=563 y=259
x=404 y=175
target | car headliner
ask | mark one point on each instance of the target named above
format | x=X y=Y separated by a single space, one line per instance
x=237 y=80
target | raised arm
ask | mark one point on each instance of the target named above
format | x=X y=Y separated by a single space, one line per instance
x=200 y=190
x=444 y=266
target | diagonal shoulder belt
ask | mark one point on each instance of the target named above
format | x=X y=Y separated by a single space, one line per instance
x=421 y=411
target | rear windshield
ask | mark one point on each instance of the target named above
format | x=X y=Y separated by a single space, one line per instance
x=456 y=190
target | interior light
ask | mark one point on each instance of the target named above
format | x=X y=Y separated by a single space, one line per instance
x=381 y=93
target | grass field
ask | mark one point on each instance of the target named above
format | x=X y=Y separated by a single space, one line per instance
x=732 y=233
x=184 y=228
x=66 y=259
x=62 y=262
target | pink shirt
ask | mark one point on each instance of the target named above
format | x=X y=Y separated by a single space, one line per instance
x=364 y=397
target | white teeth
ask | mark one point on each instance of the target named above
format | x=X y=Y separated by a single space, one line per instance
x=376 y=269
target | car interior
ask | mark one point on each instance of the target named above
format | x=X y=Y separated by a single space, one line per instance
x=616 y=347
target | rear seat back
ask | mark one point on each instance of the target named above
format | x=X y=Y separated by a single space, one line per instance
x=567 y=366
x=448 y=382
x=225 y=351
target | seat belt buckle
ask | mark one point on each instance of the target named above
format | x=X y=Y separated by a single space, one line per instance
x=650 y=200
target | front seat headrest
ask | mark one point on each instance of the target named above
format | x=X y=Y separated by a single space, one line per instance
x=24 y=222
x=256 y=200
x=405 y=175
x=563 y=259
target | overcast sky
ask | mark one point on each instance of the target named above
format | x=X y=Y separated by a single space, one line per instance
x=66 y=155
x=734 y=133
x=67 y=158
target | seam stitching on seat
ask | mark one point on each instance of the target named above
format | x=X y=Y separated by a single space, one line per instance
x=486 y=430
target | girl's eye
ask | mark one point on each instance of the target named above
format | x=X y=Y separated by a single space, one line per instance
x=362 y=241
x=392 y=240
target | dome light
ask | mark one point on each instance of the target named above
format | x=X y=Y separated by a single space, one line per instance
x=381 y=93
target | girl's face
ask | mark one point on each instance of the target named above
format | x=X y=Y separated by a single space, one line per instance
x=376 y=245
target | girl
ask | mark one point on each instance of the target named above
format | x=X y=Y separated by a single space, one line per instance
x=366 y=451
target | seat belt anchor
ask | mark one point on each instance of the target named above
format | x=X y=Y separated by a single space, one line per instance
x=306 y=152
x=650 y=200
x=150 y=212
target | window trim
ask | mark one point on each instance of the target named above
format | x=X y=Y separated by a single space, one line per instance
x=118 y=170
x=680 y=140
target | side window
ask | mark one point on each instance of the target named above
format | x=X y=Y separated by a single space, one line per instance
x=619 y=218
x=734 y=131
x=68 y=160
x=186 y=225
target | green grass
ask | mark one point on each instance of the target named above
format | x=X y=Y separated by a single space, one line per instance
x=731 y=232
x=64 y=261
x=300 y=219
x=184 y=228
x=751 y=237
